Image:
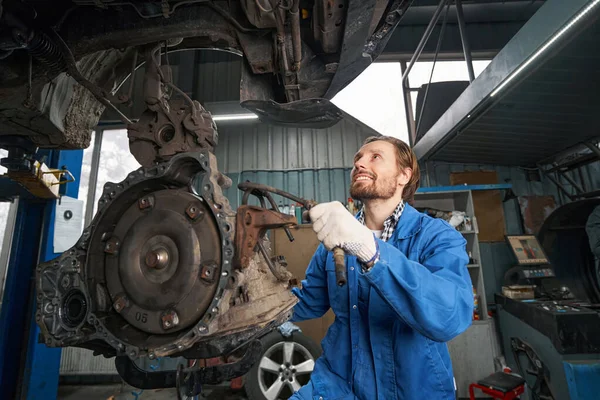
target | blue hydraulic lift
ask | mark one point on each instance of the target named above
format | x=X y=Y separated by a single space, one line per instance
x=28 y=369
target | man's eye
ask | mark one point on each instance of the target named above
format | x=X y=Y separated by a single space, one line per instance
x=376 y=156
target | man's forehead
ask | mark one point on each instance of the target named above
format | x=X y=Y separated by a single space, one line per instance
x=376 y=146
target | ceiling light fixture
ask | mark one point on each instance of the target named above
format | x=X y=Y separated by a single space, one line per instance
x=234 y=117
x=542 y=49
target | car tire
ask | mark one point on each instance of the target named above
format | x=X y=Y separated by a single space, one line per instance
x=284 y=366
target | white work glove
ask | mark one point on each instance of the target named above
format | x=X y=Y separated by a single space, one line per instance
x=336 y=227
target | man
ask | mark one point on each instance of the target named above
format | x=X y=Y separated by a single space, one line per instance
x=408 y=289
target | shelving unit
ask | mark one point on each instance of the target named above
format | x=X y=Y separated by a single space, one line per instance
x=460 y=200
x=474 y=351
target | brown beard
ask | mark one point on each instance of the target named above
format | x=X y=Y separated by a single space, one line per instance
x=379 y=188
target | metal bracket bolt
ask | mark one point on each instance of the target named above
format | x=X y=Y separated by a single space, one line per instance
x=194 y=212
x=120 y=303
x=170 y=319
x=146 y=202
x=208 y=272
x=112 y=245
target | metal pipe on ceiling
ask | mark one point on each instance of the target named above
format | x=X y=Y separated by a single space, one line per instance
x=424 y=39
x=464 y=40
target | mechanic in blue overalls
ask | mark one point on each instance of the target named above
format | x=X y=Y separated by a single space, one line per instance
x=408 y=290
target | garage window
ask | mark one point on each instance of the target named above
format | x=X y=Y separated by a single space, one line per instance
x=115 y=161
x=375 y=98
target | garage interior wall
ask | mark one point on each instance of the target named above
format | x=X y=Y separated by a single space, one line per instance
x=312 y=163
x=315 y=164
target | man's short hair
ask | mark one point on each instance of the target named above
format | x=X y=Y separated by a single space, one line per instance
x=406 y=158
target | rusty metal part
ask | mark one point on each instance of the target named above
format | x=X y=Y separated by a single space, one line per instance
x=158 y=136
x=328 y=23
x=262 y=191
x=268 y=300
x=75 y=111
x=146 y=202
x=112 y=245
x=209 y=272
x=258 y=52
x=158 y=258
x=169 y=320
x=251 y=225
x=168 y=127
x=275 y=265
x=339 y=258
x=256 y=16
x=167 y=286
x=120 y=303
x=71 y=68
x=296 y=39
x=155 y=258
x=194 y=211
x=282 y=42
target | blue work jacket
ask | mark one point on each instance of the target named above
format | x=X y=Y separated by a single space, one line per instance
x=391 y=324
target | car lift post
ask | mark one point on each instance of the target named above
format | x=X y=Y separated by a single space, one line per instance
x=28 y=369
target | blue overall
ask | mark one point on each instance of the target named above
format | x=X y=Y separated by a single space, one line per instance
x=391 y=324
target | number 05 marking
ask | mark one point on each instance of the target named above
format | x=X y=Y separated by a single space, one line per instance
x=142 y=317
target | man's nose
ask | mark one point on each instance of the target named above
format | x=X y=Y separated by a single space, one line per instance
x=359 y=164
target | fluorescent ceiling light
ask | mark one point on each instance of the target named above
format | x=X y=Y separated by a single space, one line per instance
x=234 y=117
x=545 y=46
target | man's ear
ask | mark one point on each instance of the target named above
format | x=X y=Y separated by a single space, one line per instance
x=404 y=176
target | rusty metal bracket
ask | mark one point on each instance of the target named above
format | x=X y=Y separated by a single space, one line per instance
x=251 y=225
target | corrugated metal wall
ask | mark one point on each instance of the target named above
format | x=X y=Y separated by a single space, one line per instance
x=312 y=163
x=256 y=146
x=76 y=361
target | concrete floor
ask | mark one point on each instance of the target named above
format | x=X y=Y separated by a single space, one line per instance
x=126 y=392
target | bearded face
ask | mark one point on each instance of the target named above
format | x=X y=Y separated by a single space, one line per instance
x=375 y=174
x=369 y=186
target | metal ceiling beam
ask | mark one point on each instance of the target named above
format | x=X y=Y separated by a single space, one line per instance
x=549 y=19
x=485 y=39
x=420 y=12
x=489 y=24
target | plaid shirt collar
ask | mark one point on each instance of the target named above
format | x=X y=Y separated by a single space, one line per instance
x=389 y=224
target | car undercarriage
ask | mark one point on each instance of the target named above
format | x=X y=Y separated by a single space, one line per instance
x=166 y=267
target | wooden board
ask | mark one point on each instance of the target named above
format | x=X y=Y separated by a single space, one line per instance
x=535 y=210
x=298 y=255
x=487 y=203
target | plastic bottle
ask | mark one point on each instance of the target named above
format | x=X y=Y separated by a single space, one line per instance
x=351 y=206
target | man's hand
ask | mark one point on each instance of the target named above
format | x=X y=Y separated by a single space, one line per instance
x=336 y=227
